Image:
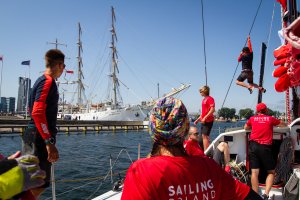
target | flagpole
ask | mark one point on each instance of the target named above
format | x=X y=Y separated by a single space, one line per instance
x=1 y=79
x=27 y=96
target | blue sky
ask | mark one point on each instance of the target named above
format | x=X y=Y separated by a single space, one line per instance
x=159 y=41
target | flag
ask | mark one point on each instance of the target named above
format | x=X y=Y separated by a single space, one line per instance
x=1 y=58
x=70 y=71
x=27 y=62
x=283 y=3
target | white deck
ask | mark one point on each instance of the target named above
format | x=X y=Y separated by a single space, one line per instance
x=110 y=195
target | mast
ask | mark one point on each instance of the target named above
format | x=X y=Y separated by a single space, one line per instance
x=157 y=90
x=114 y=56
x=79 y=61
x=172 y=93
x=262 y=69
x=79 y=81
x=56 y=43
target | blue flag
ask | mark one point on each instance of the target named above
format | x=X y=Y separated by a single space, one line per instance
x=27 y=62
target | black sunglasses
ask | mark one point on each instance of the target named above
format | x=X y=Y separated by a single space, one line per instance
x=197 y=133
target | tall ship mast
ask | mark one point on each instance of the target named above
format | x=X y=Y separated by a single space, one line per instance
x=113 y=109
x=80 y=65
x=114 y=64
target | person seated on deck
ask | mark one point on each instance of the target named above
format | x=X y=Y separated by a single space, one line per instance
x=246 y=57
x=220 y=155
x=172 y=174
x=260 y=146
x=18 y=174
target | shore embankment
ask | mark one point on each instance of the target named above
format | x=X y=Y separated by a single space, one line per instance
x=16 y=125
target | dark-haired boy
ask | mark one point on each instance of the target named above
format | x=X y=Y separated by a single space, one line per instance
x=246 y=57
x=40 y=136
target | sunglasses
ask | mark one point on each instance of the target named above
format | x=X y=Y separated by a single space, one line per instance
x=64 y=65
x=196 y=134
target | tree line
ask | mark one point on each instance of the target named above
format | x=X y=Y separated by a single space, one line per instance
x=230 y=113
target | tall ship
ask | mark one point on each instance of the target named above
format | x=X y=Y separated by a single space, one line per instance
x=113 y=109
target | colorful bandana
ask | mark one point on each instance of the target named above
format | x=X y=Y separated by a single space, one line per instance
x=169 y=122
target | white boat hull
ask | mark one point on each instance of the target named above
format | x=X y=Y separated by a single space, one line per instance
x=111 y=195
x=133 y=113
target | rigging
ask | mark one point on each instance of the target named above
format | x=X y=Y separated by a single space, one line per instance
x=238 y=62
x=204 y=47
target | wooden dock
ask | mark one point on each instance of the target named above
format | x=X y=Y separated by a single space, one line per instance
x=19 y=126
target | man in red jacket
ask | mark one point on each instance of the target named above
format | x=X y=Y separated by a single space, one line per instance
x=260 y=147
x=40 y=136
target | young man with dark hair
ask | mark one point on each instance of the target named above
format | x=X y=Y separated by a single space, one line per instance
x=246 y=57
x=40 y=136
x=207 y=115
x=260 y=147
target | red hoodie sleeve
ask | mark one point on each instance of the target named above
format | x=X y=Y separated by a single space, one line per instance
x=249 y=44
x=240 y=57
x=39 y=108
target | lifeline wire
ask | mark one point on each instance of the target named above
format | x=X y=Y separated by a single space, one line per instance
x=204 y=48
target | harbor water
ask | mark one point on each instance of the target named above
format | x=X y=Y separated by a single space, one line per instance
x=83 y=170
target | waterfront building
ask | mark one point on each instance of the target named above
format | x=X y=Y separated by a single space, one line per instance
x=7 y=104
x=23 y=94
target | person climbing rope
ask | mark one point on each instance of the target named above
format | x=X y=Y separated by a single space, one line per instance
x=246 y=57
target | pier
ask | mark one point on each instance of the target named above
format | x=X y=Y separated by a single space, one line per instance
x=9 y=126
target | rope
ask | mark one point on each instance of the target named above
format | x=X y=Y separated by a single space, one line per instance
x=238 y=62
x=239 y=171
x=86 y=179
x=141 y=82
x=271 y=26
x=252 y=105
x=93 y=179
x=110 y=171
x=139 y=98
x=284 y=161
x=269 y=36
x=76 y=188
x=287 y=103
x=165 y=69
x=204 y=47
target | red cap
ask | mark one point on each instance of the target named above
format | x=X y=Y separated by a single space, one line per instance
x=260 y=107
